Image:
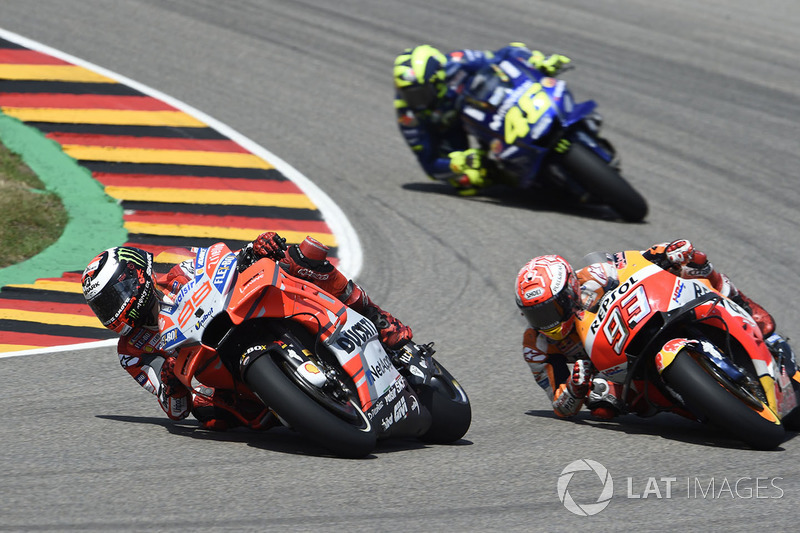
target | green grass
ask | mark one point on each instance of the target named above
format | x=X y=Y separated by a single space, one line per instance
x=31 y=219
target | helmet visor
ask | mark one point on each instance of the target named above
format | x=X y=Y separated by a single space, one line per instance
x=110 y=304
x=550 y=313
x=419 y=97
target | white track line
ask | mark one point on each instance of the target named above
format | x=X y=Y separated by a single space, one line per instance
x=350 y=254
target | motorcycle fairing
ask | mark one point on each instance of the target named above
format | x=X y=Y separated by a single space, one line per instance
x=182 y=322
x=645 y=289
x=355 y=344
x=606 y=332
x=264 y=290
x=515 y=110
x=350 y=336
x=634 y=303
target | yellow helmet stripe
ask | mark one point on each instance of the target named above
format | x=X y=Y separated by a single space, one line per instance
x=420 y=56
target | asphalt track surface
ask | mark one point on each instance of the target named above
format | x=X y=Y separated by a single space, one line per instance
x=701 y=100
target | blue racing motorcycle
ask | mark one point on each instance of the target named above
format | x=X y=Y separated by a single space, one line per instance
x=535 y=134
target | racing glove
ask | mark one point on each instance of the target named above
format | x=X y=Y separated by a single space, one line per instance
x=550 y=65
x=689 y=262
x=570 y=395
x=468 y=164
x=393 y=333
x=270 y=245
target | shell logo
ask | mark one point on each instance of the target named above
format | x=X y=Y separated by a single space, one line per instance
x=311 y=368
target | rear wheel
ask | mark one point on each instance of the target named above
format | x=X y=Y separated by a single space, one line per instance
x=338 y=426
x=603 y=182
x=449 y=407
x=712 y=396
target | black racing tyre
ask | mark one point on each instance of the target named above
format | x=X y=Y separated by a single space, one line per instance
x=708 y=396
x=603 y=182
x=351 y=439
x=451 y=414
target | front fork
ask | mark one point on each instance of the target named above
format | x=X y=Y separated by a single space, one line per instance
x=787 y=385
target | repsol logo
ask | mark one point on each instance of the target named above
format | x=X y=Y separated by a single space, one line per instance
x=608 y=301
x=356 y=335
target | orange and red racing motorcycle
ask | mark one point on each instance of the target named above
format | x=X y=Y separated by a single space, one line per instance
x=676 y=344
x=245 y=326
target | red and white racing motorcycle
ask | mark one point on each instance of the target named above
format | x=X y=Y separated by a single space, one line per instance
x=244 y=325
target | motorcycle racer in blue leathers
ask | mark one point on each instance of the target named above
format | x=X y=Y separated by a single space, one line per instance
x=428 y=102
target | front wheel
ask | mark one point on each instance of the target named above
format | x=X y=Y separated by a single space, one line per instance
x=344 y=435
x=603 y=182
x=448 y=404
x=714 y=397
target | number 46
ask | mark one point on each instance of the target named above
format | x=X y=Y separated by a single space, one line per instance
x=529 y=109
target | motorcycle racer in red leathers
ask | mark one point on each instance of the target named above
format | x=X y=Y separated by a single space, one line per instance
x=549 y=293
x=121 y=288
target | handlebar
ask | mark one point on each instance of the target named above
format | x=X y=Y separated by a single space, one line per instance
x=245 y=258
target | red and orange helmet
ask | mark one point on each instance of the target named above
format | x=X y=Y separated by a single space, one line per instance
x=118 y=285
x=548 y=294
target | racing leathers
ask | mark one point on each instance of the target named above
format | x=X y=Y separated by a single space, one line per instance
x=141 y=356
x=562 y=368
x=437 y=137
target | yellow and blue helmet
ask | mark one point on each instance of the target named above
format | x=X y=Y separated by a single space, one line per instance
x=419 y=75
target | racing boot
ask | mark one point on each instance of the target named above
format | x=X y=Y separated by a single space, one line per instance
x=764 y=320
x=393 y=333
x=604 y=399
x=213 y=413
x=699 y=266
x=218 y=410
x=723 y=284
x=308 y=260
